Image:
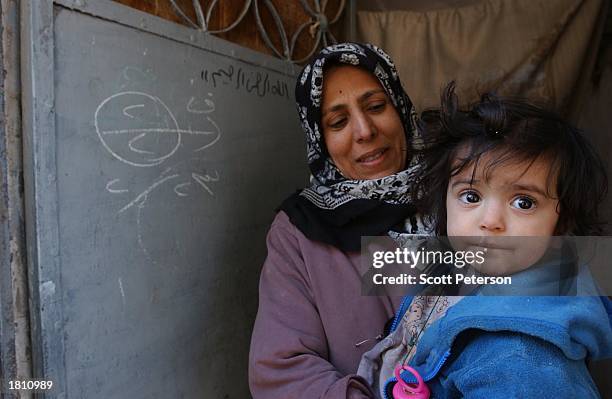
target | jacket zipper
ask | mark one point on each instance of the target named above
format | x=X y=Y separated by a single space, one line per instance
x=400 y=312
x=412 y=380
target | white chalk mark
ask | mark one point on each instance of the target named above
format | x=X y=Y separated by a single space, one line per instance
x=141 y=244
x=114 y=190
x=151 y=162
x=216 y=138
x=165 y=172
x=216 y=178
x=202 y=183
x=131 y=73
x=180 y=193
x=208 y=102
x=135 y=139
x=154 y=130
x=121 y=290
x=125 y=110
x=126 y=76
x=202 y=180
x=143 y=196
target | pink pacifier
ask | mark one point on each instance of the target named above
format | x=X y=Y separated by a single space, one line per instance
x=403 y=390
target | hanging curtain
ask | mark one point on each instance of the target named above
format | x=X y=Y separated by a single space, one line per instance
x=541 y=49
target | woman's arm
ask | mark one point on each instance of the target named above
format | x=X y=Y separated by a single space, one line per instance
x=289 y=350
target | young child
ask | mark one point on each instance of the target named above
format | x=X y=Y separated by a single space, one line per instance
x=505 y=168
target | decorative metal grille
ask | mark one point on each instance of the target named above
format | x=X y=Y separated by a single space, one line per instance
x=318 y=25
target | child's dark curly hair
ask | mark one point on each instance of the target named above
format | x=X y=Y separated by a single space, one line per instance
x=517 y=131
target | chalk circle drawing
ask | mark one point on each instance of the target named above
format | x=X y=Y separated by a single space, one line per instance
x=145 y=121
x=149 y=132
x=139 y=130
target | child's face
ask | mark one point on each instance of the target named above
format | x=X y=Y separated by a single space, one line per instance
x=513 y=202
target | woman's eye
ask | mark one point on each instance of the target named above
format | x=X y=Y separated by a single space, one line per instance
x=337 y=123
x=377 y=107
x=523 y=203
x=469 y=197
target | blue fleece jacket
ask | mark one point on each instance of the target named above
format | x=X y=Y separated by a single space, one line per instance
x=514 y=347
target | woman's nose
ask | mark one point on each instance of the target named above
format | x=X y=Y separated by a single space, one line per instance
x=492 y=218
x=363 y=128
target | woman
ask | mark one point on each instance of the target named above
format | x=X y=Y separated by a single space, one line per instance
x=313 y=324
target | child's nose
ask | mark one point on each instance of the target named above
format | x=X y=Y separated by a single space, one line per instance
x=492 y=219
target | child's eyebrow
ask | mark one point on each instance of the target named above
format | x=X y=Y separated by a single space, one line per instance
x=530 y=187
x=459 y=182
x=520 y=187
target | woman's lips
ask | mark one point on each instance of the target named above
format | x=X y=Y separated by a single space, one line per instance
x=373 y=157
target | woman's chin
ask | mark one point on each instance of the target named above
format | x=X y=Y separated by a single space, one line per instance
x=382 y=166
x=371 y=173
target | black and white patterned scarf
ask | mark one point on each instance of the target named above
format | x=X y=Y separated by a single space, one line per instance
x=337 y=210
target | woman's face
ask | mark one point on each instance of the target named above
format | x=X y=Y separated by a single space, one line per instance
x=363 y=132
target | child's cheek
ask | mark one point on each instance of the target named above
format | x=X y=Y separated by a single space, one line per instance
x=457 y=219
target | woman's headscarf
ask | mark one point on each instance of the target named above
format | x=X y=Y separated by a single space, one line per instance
x=336 y=210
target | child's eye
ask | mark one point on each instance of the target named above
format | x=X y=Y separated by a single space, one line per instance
x=469 y=197
x=524 y=203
